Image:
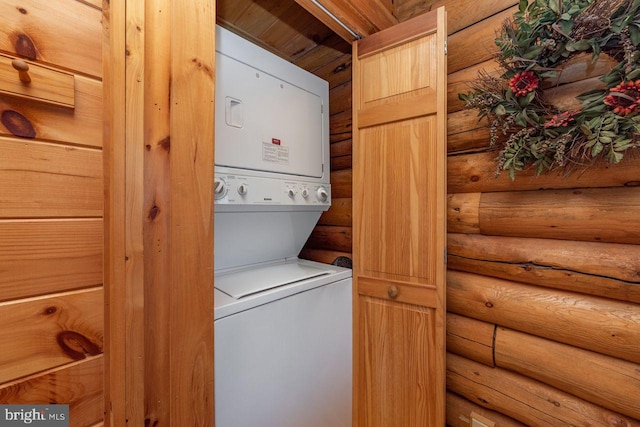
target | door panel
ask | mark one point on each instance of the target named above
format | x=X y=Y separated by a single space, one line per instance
x=399 y=211
x=399 y=199
x=398 y=72
x=398 y=378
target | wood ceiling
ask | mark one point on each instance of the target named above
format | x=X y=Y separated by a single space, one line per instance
x=300 y=32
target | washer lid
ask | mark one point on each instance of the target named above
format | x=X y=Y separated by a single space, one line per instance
x=249 y=282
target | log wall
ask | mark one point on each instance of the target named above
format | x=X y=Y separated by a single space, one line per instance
x=51 y=208
x=543 y=274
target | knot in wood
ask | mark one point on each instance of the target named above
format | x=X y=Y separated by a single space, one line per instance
x=24 y=46
x=50 y=310
x=17 y=124
x=76 y=345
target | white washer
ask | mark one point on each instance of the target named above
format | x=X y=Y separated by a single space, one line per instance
x=283 y=355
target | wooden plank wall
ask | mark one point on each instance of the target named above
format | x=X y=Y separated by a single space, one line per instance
x=543 y=281
x=51 y=207
x=159 y=156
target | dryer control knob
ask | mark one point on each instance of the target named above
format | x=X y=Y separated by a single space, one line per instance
x=305 y=192
x=242 y=189
x=291 y=192
x=219 y=189
x=323 y=196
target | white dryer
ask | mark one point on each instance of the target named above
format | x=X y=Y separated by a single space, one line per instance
x=283 y=331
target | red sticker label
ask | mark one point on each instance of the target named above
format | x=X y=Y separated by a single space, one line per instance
x=275 y=141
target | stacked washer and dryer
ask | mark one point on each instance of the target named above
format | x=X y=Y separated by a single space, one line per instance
x=283 y=332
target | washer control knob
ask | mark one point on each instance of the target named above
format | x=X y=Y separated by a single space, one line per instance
x=322 y=194
x=305 y=192
x=220 y=188
x=242 y=189
x=291 y=192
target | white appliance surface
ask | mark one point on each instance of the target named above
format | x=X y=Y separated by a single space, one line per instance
x=283 y=337
x=255 y=280
x=286 y=360
x=272 y=154
x=268 y=291
x=271 y=116
x=258 y=129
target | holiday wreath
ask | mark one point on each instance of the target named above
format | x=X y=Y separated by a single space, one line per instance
x=534 y=45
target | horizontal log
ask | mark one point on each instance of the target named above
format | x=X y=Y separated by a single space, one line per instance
x=337 y=137
x=48 y=256
x=330 y=238
x=602 y=259
x=590 y=214
x=549 y=277
x=470 y=338
x=68 y=34
x=470 y=142
x=321 y=255
x=340 y=98
x=337 y=71
x=341 y=126
x=470 y=173
x=81 y=126
x=341 y=183
x=604 y=269
x=462 y=213
x=464 y=121
x=606 y=381
x=341 y=163
x=49 y=180
x=578 y=68
x=526 y=400
x=460 y=81
x=50 y=331
x=592 y=323
x=564 y=97
x=475 y=44
x=341 y=148
x=460 y=411
x=338 y=214
x=78 y=384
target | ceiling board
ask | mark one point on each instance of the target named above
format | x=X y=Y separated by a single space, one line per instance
x=375 y=12
x=316 y=11
x=300 y=32
x=364 y=17
x=407 y=9
x=231 y=11
x=260 y=16
x=324 y=53
x=297 y=32
x=284 y=28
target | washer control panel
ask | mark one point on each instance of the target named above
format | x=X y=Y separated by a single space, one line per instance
x=251 y=190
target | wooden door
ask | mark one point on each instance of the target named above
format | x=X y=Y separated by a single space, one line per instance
x=399 y=206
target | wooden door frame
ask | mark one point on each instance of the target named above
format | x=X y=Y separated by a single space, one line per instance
x=137 y=73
